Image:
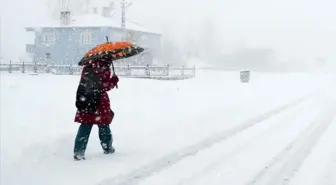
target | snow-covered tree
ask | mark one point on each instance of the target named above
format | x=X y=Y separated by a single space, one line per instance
x=202 y=41
x=170 y=53
x=210 y=40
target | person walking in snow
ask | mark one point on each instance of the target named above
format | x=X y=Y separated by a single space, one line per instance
x=93 y=106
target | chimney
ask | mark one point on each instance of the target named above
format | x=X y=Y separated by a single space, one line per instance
x=65 y=18
x=106 y=12
x=95 y=10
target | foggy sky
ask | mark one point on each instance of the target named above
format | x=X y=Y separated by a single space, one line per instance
x=296 y=29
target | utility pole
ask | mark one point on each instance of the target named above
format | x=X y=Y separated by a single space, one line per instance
x=124 y=6
x=123 y=14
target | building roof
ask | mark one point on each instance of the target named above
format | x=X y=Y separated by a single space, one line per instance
x=93 y=20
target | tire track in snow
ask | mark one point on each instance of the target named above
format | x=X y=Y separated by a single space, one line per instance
x=155 y=167
x=227 y=156
x=283 y=167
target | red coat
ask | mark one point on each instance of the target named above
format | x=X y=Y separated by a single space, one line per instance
x=103 y=114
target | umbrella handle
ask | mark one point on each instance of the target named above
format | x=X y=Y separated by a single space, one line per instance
x=116 y=85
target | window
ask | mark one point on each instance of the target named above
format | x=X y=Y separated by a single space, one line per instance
x=48 y=39
x=85 y=38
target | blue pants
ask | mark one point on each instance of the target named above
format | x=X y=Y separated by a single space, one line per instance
x=83 y=135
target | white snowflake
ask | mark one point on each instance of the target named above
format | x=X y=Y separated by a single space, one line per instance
x=97 y=118
x=82 y=98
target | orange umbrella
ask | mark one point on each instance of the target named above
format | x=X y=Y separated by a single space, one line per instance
x=111 y=51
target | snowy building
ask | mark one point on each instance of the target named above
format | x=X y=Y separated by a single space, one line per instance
x=65 y=41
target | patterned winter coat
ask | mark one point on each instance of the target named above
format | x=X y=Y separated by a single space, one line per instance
x=104 y=114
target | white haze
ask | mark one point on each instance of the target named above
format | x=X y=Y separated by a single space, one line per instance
x=298 y=31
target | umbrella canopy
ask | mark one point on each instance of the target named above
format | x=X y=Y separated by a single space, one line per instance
x=111 y=51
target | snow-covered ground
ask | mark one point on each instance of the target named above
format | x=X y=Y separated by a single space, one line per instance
x=207 y=130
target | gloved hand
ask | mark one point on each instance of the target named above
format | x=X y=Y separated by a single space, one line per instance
x=115 y=79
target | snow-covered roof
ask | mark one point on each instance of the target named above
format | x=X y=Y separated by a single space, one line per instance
x=94 y=20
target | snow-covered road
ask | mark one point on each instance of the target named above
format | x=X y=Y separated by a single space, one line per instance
x=279 y=129
x=267 y=150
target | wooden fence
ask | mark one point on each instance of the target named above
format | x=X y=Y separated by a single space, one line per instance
x=149 y=71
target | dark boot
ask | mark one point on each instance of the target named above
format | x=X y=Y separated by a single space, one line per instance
x=81 y=141
x=79 y=157
x=106 y=139
x=110 y=150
